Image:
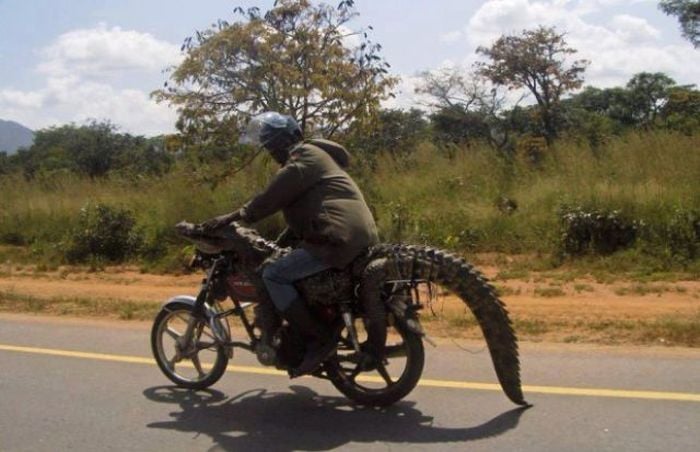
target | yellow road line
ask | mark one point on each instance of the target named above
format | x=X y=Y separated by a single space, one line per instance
x=556 y=390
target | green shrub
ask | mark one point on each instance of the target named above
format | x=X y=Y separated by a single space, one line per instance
x=103 y=233
x=595 y=231
x=676 y=236
x=12 y=238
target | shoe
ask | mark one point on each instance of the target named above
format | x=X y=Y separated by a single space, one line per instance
x=316 y=353
x=319 y=341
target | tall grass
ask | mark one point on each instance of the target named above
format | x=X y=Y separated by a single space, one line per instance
x=454 y=201
x=449 y=200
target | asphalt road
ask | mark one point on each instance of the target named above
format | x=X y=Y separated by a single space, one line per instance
x=90 y=385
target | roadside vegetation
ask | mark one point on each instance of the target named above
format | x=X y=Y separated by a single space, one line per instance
x=572 y=184
x=632 y=207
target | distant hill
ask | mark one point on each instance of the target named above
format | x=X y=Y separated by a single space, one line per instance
x=14 y=136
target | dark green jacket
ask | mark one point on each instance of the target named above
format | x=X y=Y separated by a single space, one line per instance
x=320 y=202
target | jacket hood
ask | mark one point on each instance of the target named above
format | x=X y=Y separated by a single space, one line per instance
x=335 y=150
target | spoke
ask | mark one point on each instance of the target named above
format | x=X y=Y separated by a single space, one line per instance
x=210 y=336
x=201 y=325
x=201 y=330
x=385 y=375
x=172 y=333
x=197 y=365
x=395 y=351
x=171 y=363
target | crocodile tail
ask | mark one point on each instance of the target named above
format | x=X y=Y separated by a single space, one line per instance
x=455 y=274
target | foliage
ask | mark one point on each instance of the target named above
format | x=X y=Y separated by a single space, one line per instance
x=468 y=108
x=688 y=14
x=295 y=58
x=531 y=150
x=458 y=126
x=5 y=165
x=647 y=96
x=536 y=60
x=93 y=150
x=586 y=230
x=676 y=238
x=397 y=132
x=681 y=111
x=103 y=233
x=649 y=100
x=450 y=201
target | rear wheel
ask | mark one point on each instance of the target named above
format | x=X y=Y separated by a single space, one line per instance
x=380 y=384
x=194 y=362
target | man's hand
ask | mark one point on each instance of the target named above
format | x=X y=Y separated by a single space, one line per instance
x=215 y=223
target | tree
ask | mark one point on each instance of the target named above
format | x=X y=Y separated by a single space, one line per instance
x=648 y=93
x=467 y=107
x=295 y=59
x=647 y=100
x=93 y=150
x=536 y=60
x=394 y=131
x=682 y=110
x=5 y=165
x=688 y=14
x=596 y=114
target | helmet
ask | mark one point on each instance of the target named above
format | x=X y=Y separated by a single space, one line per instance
x=275 y=132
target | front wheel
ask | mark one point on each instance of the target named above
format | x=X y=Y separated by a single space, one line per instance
x=386 y=383
x=194 y=361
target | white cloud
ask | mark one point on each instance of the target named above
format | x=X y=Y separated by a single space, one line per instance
x=451 y=36
x=99 y=51
x=633 y=29
x=350 y=38
x=20 y=99
x=405 y=94
x=80 y=69
x=617 y=49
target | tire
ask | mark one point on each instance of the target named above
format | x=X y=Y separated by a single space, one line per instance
x=195 y=373
x=365 y=392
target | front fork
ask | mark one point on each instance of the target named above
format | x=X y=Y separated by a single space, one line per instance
x=349 y=322
x=200 y=316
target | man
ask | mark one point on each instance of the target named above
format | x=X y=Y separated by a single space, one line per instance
x=322 y=206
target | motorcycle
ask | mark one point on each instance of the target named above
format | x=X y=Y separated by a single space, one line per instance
x=372 y=307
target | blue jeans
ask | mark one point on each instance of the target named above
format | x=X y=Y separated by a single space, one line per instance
x=279 y=276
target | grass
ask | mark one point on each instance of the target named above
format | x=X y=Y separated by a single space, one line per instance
x=532 y=328
x=429 y=197
x=642 y=290
x=549 y=292
x=505 y=291
x=668 y=330
x=11 y=301
x=672 y=331
x=583 y=288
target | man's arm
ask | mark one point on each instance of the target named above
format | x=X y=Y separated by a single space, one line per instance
x=288 y=184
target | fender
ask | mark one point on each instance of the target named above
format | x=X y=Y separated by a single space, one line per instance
x=219 y=327
x=187 y=299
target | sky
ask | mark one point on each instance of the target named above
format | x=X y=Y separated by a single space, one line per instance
x=64 y=61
